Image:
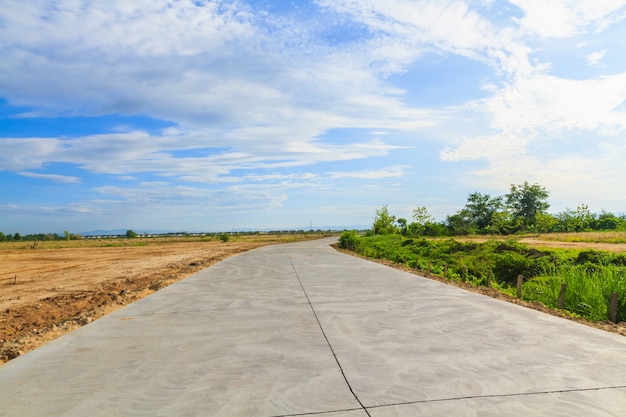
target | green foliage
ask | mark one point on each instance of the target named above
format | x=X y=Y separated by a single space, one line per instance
x=588 y=291
x=224 y=237
x=461 y=223
x=384 y=221
x=421 y=220
x=130 y=234
x=402 y=226
x=591 y=276
x=526 y=201
x=481 y=208
x=349 y=240
x=578 y=220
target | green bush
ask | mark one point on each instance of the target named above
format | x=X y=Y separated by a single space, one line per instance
x=349 y=240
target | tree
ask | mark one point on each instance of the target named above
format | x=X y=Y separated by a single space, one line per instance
x=578 y=220
x=606 y=221
x=130 y=234
x=481 y=209
x=422 y=219
x=402 y=225
x=525 y=201
x=384 y=221
x=67 y=235
x=545 y=223
x=17 y=236
x=460 y=223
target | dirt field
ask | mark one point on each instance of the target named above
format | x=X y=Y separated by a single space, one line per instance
x=46 y=291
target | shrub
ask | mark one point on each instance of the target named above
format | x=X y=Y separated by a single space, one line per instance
x=349 y=240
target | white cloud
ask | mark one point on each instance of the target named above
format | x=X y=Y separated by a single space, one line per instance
x=65 y=179
x=389 y=172
x=594 y=58
x=566 y=18
x=548 y=103
x=255 y=97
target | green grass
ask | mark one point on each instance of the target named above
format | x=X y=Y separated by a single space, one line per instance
x=588 y=290
x=591 y=276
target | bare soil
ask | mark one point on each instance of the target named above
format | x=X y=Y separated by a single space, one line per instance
x=47 y=292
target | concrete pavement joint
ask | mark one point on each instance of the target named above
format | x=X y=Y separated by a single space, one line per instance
x=521 y=394
x=326 y=338
x=319 y=413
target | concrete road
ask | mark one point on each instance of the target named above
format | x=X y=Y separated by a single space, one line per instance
x=300 y=330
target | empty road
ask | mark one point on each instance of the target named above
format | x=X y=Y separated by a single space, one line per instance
x=301 y=330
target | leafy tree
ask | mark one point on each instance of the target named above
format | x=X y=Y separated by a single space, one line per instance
x=422 y=219
x=67 y=235
x=461 y=223
x=607 y=221
x=525 y=201
x=402 y=224
x=481 y=209
x=545 y=223
x=503 y=223
x=2 y=237
x=384 y=221
x=130 y=234
x=577 y=220
x=17 y=236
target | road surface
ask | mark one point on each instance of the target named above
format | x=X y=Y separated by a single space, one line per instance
x=301 y=330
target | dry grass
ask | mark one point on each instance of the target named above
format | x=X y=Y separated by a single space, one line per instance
x=591 y=237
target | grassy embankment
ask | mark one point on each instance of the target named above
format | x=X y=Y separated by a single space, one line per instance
x=591 y=276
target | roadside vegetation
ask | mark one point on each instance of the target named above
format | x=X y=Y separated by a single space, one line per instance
x=480 y=245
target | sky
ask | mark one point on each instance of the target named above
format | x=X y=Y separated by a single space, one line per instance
x=217 y=115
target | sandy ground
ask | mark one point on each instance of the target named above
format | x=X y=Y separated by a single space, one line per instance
x=45 y=293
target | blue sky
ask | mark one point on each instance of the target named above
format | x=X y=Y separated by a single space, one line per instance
x=212 y=115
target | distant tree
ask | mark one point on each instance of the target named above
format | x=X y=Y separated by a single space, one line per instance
x=3 y=237
x=545 y=223
x=578 y=220
x=67 y=235
x=460 y=223
x=608 y=221
x=17 y=236
x=384 y=221
x=402 y=224
x=525 y=201
x=481 y=209
x=421 y=220
x=224 y=237
x=130 y=234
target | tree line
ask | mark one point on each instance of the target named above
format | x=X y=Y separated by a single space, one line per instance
x=523 y=209
x=34 y=237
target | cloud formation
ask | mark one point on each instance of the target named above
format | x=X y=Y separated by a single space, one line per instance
x=263 y=100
